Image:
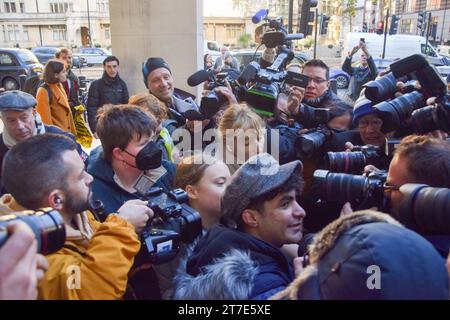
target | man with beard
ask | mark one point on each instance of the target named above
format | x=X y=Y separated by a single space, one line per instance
x=46 y=171
x=110 y=89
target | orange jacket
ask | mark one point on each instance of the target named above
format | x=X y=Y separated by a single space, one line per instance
x=58 y=113
x=98 y=272
x=101 y=269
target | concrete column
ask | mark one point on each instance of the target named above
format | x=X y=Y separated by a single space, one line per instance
x=171 y=29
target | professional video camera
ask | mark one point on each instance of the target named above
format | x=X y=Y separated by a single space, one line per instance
x=266 y=84
x=409 y=111
x=425 y=209
x=212 y=102
x=47 y=225
x=355 y=161
x=174 y=222
x=363 y=192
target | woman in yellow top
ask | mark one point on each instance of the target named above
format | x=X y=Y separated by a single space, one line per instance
x=52 y=102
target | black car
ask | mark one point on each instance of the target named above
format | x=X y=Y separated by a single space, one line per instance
x=17 y=65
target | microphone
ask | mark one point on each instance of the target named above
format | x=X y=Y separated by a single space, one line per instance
x=260 y=15
x=198 y=78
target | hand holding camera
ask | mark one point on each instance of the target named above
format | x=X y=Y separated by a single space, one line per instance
x=137 y=213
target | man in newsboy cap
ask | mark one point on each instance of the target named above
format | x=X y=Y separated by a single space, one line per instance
x=242 y=260
x=21 y=122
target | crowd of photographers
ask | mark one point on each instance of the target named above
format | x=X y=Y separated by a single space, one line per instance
x=271 y=188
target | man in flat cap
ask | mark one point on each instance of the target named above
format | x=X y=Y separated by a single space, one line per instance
x=21 y=122
x=242 y=260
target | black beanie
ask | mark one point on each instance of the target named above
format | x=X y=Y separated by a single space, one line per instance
x=152 y=64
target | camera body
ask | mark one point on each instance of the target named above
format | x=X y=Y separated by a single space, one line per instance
x=173 y=222
x=47 y=225
x=211 y=103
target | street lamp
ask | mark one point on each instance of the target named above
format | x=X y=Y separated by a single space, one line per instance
x=89 y=24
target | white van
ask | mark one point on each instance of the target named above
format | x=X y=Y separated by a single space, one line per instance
x=397 y=46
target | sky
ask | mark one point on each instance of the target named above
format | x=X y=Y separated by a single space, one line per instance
x=219 y=8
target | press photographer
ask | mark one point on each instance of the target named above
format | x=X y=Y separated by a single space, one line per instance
x=46 y=171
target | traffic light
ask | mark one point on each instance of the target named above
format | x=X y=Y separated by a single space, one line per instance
x=324 y=24
x=365 y=27
x=305 y=16
x=394 y=25
x=421 y=20
x=380 y=27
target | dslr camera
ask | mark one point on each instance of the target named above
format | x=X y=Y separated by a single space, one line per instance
x=174 y=222
x=409 y=111
x=363 y=192
x=47 y=225
x=355 y=161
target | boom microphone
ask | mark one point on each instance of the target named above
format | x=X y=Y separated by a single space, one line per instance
x=260 y=15
x=198 y=78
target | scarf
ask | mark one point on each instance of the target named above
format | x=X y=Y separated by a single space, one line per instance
x=38 y=130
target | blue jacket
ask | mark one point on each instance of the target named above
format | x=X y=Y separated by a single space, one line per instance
x=105 y=189
x=230 y=265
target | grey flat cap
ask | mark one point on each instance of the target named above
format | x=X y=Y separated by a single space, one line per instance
x=16 y=100
x=258 y=176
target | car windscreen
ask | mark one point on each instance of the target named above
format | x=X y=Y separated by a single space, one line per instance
x=27 y=57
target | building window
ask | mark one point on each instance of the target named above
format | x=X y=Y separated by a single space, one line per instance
x=13 y=32
x=233 y=31
x=60 y=6
x=10 y=7
x=103 y=5
x=59 y=33
x=433 y=4
x=107 y=31
x=26 y=35
x=4 y=33
x=22 y=7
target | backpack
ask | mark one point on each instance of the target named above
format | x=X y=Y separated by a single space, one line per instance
x=33 y=84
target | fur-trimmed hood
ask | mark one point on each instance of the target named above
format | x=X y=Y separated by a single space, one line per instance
x=369 y=255
x=231 y=265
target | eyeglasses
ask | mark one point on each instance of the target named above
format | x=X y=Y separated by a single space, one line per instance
x=376 y=123
x=318 y=80
x=389 y=188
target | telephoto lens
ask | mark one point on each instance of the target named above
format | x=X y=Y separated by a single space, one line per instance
x=382 y=89
x=353 y=162
x=396 y=112
x=47 y=225
x=425 y=210
x=363 y=192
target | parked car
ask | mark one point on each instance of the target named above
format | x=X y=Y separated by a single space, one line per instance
x=342 y=78
x=15 y=63
x=244 y=57
x=94 y=55
x=46 y=53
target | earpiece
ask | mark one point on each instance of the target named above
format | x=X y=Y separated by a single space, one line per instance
x=58 y=200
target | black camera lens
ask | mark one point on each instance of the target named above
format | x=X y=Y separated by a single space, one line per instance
x=48 y=228
x=394 y=113
x=346 y=162
x=425 y=209
x=382 y=89
x=431 y=118
x=311 y=143
x=340 y=187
